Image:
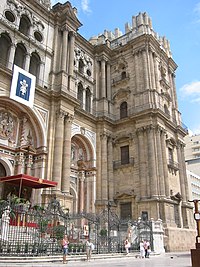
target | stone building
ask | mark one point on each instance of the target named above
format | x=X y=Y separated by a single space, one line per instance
x=105 y=123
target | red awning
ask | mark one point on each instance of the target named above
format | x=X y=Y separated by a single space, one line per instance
x=27 y=180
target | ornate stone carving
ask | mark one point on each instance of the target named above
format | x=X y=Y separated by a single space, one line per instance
x=6 y=125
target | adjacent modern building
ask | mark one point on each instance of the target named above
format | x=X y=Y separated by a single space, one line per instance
x=105 y=124
x=194 y=182
x=192 y=153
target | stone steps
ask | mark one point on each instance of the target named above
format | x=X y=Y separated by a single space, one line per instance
x=59 y=258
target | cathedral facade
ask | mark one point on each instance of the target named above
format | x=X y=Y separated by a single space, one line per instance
x=105 y=124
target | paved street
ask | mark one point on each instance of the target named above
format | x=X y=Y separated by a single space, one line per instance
x=167 y=260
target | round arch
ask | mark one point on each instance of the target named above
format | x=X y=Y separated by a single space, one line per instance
x=33 y=114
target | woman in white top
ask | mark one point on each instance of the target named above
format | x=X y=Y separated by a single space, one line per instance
x=142 y=251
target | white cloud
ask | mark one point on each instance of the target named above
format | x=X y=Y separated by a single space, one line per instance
x=85 y=6
x=192 y=88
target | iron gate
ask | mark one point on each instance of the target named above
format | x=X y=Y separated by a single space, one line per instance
x=27 y=230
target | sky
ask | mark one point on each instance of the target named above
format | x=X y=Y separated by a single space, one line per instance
x=177 y=20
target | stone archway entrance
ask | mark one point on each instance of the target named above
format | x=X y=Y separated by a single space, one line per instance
x=2 y=170
x=83 y=174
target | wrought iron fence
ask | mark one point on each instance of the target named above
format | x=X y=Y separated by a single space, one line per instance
x=29 y=231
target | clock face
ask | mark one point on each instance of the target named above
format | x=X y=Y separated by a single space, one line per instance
x=197 y=216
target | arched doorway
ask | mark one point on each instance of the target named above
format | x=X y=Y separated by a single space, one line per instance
x=83 y=174
x=2 y=170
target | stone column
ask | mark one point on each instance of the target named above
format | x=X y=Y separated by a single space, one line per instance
x=152 y=67
x=66 y=159
x=99 y=153
x=71 y=53
x=56 y=49
x=81 y=190
x=71 y=79
x=104 y=166
x=11 y=56
x=27 y=62
x=174 y=90
x=108 y=82
x=142 y=164
x=152 y=161
x=146 y=78
x=165 y=166
x=161 y=184
x=156 y=72
x=137 y=83
x=58 y=149
x=93 y=193
x=64 y=49
x=97 y=69
x=88 y=192
x=110 y=170
x=84 y=98
x=41 y=74
x=184 y=172
x=91 y=103
x=20 y=162
x=181 y=172
x=29 y=163
x=103 y=78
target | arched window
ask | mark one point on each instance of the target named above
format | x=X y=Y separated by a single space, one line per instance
x=88 y=100
x=24 y=25
x=80 y=94
x=81 y=66
x=35 y=65
x=5 y=43
x=20 y=55
x=123 y=110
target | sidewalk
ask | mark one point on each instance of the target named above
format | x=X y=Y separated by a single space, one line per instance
x=57 y=259
x=97 y=259
x=164 y=260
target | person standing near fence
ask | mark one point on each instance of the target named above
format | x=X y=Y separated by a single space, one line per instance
x=127 y=245
x=65 y=245
x=142 y=251
x=146 y=248
x=88 y=246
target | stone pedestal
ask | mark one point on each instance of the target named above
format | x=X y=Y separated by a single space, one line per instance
x=195 y=256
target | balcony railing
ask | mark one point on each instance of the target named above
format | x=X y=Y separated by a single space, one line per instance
x=119 y=164
x=173 y=164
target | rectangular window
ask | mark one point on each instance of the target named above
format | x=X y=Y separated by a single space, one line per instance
x=125 y=210
x=170 y=151
x=124 y=155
